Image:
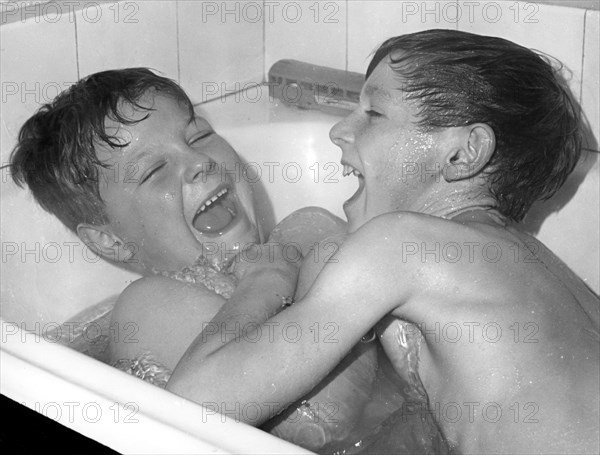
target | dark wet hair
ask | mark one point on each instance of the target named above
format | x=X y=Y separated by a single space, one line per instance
x=460 y=78
x=55 y=154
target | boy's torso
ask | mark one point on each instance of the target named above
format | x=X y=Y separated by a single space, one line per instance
x=510 y=339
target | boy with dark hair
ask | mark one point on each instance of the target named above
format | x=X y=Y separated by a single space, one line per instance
x=455 y=136
x=122 y=159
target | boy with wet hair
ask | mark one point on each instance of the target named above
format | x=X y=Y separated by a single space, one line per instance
x=123 y=160
x=55 y=155
x=455 y=80
x=498 y=336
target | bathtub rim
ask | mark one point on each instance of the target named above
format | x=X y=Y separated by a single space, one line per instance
x=34 y=370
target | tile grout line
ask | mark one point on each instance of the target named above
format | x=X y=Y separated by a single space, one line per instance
x=76 y=45
x=582 y=57
x=177 y=42
x=347 y=32
x=457 y=20
x=265 y=73
x=585 y=14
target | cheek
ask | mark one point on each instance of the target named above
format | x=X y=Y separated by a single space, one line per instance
x=139 y=218
x=116 y=208
x=408 y=158
x=395 y=162
x=222 y=152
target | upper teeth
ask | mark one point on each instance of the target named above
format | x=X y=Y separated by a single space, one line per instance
x=350 y=170
x=211 y=200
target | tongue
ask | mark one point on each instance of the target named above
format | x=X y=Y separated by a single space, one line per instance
x=214 y=219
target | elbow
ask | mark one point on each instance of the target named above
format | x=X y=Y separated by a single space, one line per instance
x=175 y=385
x=184 y=382
x=250 y=413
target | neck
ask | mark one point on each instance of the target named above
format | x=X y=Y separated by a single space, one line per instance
x=459 y=202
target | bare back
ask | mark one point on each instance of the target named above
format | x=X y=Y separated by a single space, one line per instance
x=511 y=341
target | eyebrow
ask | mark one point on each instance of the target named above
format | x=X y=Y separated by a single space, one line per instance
x=376 y=91
x=145 y=153
x=142 y=155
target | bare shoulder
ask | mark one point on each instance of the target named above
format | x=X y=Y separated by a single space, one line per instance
x=466 y=271
x=161 y=316
x=315 y=231
x=371 y=258
x=408 y=243
x=479 y=260
x=416 y=227
x=307 y=227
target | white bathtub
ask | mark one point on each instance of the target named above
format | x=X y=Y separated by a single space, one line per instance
x=48 y=276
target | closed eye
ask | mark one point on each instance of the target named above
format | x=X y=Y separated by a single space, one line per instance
x=204 y=135
x=151 y=173
x=372 y=113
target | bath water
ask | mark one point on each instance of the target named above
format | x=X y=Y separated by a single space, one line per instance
x=392 y=421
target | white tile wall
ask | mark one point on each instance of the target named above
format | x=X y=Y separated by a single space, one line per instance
x=590 y=90
x=313 y=32
x=220 y=47
x=127 y=34
x=372 y=22
x=38 y=58
x=227 y=44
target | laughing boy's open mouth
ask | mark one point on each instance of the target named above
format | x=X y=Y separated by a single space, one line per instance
x=217 y=213
x=349 y=170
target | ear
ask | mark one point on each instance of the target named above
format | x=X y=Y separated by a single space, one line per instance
x=473 y=152
x=104 y=243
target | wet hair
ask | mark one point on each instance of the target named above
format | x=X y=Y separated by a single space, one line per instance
x=458 y=78
x=55 y=155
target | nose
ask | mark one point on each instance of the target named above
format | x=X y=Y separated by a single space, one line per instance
x=198 y=166
x=341 y=133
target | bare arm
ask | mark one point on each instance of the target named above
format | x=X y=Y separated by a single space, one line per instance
x=268 y=274
x=154 y=315
x=162 y=316
x=325 y=419
x=287 y=355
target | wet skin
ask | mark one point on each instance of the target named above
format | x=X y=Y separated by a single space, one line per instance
x=153 y=189
x=528 y=383
x=154 y=186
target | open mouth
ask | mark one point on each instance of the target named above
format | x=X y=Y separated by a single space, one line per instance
x=217 y=213
x=350 y=170
x=361 y=181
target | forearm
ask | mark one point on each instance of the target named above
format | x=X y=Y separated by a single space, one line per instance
x=259 y=296
x=331 y=410
x=273 y=366
x=289 y=354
